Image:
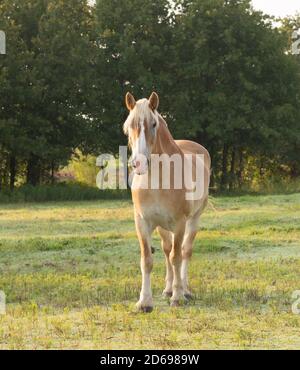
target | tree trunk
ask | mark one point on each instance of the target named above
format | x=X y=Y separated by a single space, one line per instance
x=261 y=166
x=224 y=177
x=1 y=176
x=212 y=182
x=12 y=171
x=232 y=170
x=33 y=171
x=241 y=168
x=52 y=172
x=5 y=173
x=212 y=174
x=294 y=172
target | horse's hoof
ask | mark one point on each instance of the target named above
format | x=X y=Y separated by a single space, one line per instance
x=147 y=309
x=167 y=294
x=175 y=303
x=188 y=296
x=143 y=308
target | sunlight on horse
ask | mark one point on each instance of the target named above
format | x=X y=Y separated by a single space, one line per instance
x=175 y=215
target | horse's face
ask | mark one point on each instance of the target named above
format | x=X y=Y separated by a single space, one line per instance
x=141 y=128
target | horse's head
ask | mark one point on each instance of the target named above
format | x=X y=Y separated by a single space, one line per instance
x=141 y=128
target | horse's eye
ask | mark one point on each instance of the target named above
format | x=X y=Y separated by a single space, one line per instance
x=154 y=125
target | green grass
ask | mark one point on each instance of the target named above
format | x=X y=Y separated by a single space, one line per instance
x=59 y=192
x=71 y=275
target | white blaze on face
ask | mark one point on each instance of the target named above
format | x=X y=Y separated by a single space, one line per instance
x=141 y=145
x=140 y=151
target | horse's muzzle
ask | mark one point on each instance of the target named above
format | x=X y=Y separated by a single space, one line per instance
x=140 y=164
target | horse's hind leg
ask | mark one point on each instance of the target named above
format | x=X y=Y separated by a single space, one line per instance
x=166 y=243
x=187 y=249
x=176 y=261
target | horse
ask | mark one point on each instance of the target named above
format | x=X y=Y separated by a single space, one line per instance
x=168 y=210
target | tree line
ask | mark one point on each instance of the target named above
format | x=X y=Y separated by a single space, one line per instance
x=224 y=72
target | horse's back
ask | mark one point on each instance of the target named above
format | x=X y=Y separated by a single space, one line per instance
x=191 y=147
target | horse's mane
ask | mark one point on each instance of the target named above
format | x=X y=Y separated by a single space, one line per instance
x=140 y=111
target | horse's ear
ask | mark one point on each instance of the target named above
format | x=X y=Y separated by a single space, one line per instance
x=154 y=101
x=130 y=101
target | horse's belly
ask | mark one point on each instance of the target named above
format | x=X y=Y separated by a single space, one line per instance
x=158 y=216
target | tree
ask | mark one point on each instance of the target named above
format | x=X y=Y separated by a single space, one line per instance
x=135 y=40
x=18 y=83
x=51 y=80
x=234 y=83
x=292 y=146
x=225 y=75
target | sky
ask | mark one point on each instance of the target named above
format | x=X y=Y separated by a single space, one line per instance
x=279 y=8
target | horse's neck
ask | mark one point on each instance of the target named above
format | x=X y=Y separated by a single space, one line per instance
x=165 y=142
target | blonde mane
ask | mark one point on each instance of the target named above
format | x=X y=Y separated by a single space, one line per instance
x=139 y=113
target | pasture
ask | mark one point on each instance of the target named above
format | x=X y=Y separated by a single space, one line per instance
x=71 y=275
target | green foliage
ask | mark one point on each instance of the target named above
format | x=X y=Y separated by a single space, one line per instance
x=135 y=39
x=83 y=168
x=46 y=76
x=224 y=73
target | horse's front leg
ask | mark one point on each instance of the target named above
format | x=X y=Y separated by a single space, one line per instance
x=144 y=231
x=166 y=242
x=176 y=261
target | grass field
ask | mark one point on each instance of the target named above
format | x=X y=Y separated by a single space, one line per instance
x=71 y=276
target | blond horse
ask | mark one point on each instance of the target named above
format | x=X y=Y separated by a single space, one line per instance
x=169 y=210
